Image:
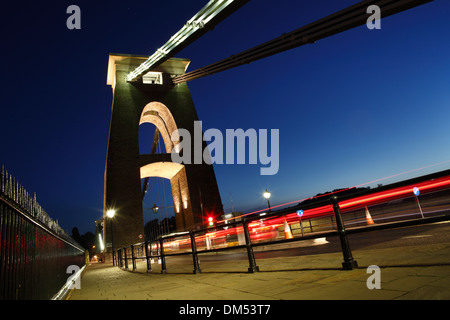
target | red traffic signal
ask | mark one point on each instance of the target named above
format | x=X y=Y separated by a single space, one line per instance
x=210 y=221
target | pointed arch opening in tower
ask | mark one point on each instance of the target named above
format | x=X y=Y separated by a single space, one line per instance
x=165 y=193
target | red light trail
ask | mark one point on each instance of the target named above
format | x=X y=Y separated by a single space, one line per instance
x=335 y=192
x=261 y=229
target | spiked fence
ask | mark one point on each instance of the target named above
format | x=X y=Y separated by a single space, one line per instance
x=35 y=252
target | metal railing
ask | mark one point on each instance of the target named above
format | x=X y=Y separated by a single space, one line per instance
x=35 y=251
x=188 y=243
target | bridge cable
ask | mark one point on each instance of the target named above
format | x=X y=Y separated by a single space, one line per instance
x=346 y=19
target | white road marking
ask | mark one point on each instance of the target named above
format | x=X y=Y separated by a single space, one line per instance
x=421 y=236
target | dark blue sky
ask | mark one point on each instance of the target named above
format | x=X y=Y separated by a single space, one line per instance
x=352 y=108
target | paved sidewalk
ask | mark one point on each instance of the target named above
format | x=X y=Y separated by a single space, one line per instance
x=412 y=272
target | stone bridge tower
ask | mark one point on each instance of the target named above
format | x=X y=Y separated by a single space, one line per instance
x=154 y=99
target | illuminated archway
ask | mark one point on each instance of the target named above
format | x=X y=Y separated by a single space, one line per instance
x=158 y=114
x=180 y=191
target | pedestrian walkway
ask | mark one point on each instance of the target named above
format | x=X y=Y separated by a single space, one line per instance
x=411 y=272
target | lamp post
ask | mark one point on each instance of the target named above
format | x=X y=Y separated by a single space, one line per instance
x=416 y=193
x=266 y=195
x=110 y=213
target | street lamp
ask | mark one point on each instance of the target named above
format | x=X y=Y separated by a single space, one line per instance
x=164 y=223
x=416 y=193
x=110 y=213
x=266 y=195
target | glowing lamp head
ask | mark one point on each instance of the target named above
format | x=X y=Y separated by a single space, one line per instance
x=110 y=213
x=266 y=194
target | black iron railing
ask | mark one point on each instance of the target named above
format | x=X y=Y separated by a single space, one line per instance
x=35 y=252
x=159 y=249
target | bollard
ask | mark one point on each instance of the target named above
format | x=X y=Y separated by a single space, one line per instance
x=251 y=257
x=348 y=263
x=133 y=258
x=119 y=258
x=126 y=258
x=147 y=257
x=163 y=259
x=194 y=254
